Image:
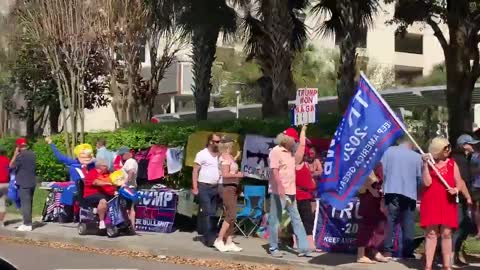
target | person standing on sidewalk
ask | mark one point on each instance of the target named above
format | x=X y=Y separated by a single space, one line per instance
x=402 y=171
x=283 y=161
x=231 y=177
x=4 y=179
x=23 y=163
x=205 y=181
x=462 y=156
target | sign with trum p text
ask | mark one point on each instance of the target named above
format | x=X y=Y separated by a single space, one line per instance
x=305 y=106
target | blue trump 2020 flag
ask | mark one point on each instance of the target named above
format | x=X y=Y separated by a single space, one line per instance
x=367 y=129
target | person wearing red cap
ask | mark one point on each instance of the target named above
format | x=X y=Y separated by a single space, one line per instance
x=283 y=160
x=305 y=196
x=23 y=163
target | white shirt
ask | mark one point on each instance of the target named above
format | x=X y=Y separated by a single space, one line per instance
x=209 y=171
x=131 y=164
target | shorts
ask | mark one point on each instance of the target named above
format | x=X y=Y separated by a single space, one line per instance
x=93 y=200
x=3 y=197
x=307 y=215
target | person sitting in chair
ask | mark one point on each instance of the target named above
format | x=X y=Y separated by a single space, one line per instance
x=98 y=189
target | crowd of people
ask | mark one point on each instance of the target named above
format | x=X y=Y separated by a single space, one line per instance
x=446 y=181
x=98 y=188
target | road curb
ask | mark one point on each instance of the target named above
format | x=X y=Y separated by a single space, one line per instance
x=135 y=246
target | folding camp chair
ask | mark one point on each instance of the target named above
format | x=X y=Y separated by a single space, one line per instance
x=252 y=211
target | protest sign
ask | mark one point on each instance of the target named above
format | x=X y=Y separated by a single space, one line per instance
x=255 y=156
x=305 y=106
x=155 y=212
x=367 y=129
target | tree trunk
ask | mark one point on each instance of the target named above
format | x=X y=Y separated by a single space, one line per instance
x=346 y=73
x=266 y=87
x=279 y=25
x=30 y=120
x=204 y=43
x=459 y=98
x=54 y=115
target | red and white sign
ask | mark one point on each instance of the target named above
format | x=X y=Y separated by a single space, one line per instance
x=305 y=106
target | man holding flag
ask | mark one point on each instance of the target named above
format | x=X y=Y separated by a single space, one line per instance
x=367 y=129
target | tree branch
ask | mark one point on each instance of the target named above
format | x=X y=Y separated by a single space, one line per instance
x=438 y=33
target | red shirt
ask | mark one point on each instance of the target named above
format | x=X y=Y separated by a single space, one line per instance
x=305 y=183
x=90 y=189
x=4 y=172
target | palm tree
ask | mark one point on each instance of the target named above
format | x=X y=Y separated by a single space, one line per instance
x=203 y=21
x=348 y=19
x=274 y=31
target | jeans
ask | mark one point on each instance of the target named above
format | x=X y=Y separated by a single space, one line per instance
x=208 y=200
x=26 y=201
x=277 y=205
x=401 y=209
x=465 y=227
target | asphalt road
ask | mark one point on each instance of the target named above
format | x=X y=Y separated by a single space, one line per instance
x=26 y=257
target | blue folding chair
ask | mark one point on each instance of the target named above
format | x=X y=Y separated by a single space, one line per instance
x=252 y=211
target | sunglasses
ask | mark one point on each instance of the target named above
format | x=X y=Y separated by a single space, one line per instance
x=216 y=142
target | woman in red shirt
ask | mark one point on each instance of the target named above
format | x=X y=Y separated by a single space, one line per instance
x=306 y=186
x=438 y=207
x=4 y=179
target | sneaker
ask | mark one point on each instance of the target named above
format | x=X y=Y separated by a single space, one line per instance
x=276 y=253
x=459 y=264
x=220 y=246
x=101 y=225
x=24 y=228
x=305 y=254
x=233 y=247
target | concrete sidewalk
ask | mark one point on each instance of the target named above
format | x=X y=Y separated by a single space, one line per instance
x=182 y=244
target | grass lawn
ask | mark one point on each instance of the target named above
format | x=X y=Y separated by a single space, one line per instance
x=472 y=246
x=38 y=203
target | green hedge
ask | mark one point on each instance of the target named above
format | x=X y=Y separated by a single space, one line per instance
x=171 y=134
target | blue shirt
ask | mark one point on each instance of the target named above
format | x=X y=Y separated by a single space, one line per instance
x=402 y=171
x=103 y=153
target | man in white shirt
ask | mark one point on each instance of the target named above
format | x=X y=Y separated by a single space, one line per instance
x=130 y=167
x=205 y=180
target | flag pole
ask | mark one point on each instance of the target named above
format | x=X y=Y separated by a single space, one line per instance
x=402 y=126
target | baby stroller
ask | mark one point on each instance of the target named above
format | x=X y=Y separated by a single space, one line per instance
x=116 y=218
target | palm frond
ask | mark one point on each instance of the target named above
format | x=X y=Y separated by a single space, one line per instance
x=253 y=35
x=299 y=33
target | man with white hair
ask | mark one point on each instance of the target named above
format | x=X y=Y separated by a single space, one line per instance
x=282 y=160
x=98 y=189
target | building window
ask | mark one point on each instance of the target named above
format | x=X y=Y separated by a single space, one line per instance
x=406 y=75
x=409 y=43
x=362 y=38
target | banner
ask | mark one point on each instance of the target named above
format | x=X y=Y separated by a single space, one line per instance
x=305 y=106
x=198 y=140
x=115 y=215
x=255 y=156
x=155 y=211
x=367 y=129
x=336 y=230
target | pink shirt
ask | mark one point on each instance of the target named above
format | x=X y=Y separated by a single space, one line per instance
x=156 y=156
x=284 y=160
